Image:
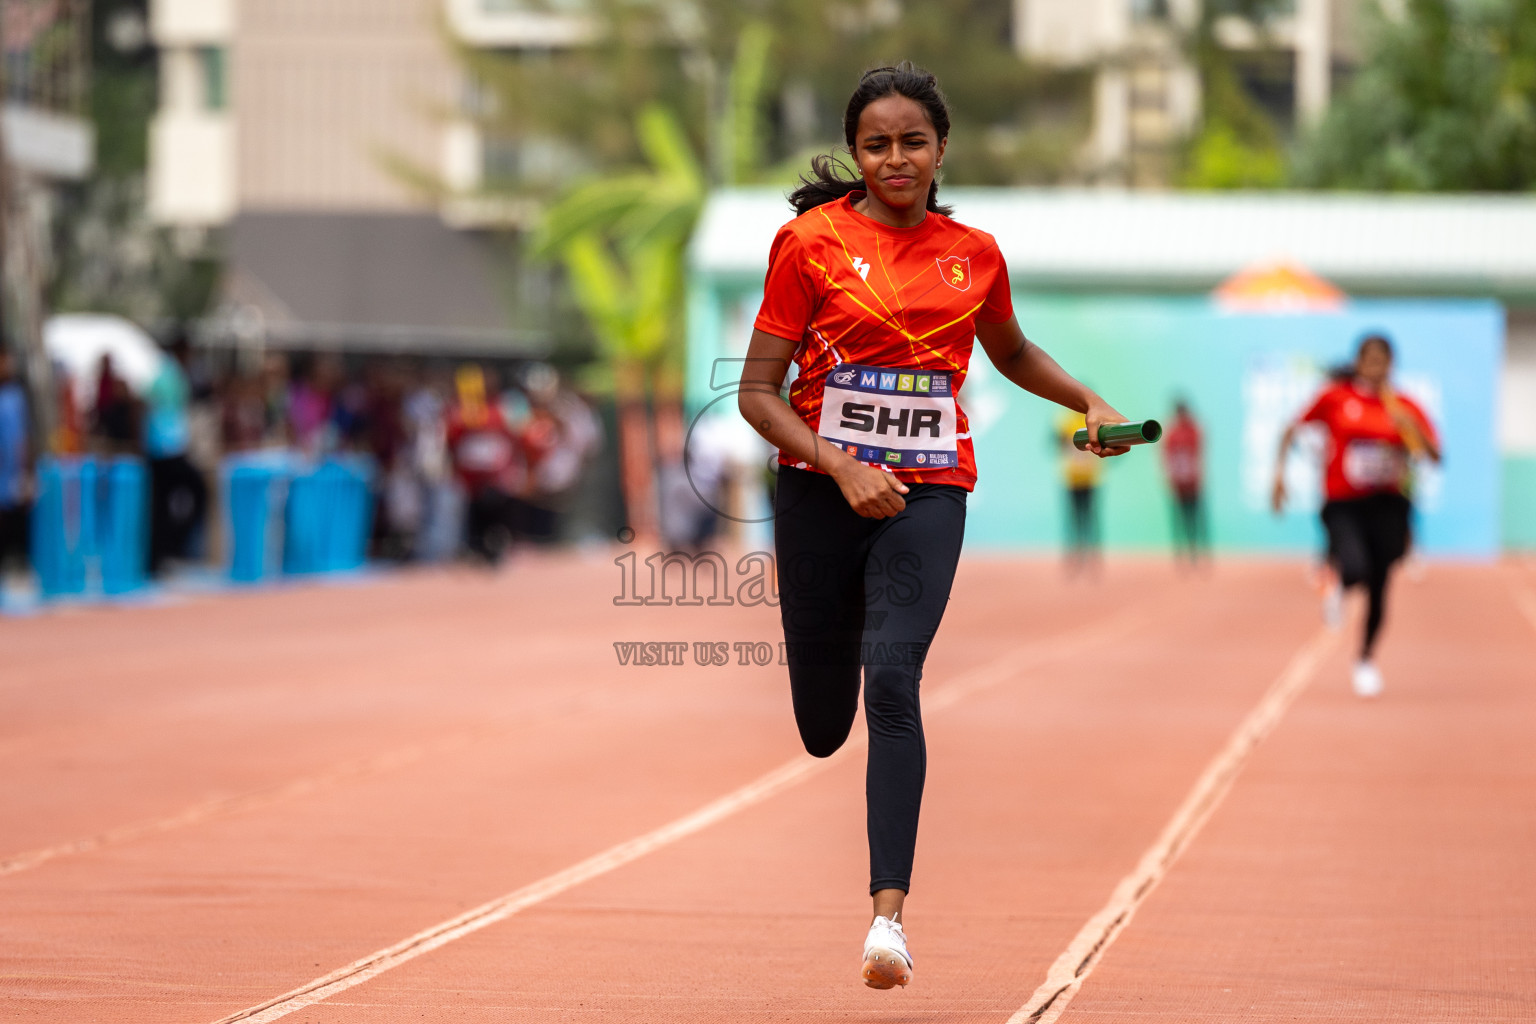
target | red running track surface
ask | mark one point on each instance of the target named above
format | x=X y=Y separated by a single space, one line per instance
x=211 y=804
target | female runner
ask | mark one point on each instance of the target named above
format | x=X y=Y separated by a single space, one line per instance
x=876 y=295
x=1372 y=432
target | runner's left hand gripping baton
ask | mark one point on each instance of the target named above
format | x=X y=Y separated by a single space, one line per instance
x=1114 y=435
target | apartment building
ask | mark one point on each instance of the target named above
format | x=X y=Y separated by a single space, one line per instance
x=1146 y=91
x=299 y=134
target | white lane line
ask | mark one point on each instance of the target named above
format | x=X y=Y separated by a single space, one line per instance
x=787 y=775
x=487 y=914
x=351 y=770
x=1084 y=952
x=232 y=804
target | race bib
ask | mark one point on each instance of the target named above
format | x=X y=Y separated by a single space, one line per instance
x=484 y=451
x=1373 y=464
x=903 y=419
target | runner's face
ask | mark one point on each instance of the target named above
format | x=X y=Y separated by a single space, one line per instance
x=897 y=151
x=1373 y=365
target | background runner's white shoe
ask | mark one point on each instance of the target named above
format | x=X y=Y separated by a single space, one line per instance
x=1367 y=679
x=1333 y=605
x=886 y=960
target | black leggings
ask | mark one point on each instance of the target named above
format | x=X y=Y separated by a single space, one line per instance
x=1366 y=536
x=866 y=594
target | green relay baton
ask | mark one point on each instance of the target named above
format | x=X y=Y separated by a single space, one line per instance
x=1113 y=435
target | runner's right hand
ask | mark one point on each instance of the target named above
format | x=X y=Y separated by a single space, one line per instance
x=871 y=492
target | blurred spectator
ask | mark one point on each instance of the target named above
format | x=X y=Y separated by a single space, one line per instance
x=394 y=523
x=1182 y=463
x=351 y=409
x=243 y=423
x=310 y=401
x=1080 y=473
x=68 y=435
x=205 y=442
x=15 y=458
x=558 y=437
x=115 y=418
x=690 y=483
x=421 y=498
x=275 y=395
x=178 y=493
x=487 y=462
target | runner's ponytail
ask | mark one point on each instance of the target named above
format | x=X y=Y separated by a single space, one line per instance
x=826 y=184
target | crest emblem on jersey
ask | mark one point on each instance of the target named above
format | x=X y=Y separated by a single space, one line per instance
x=955 y=271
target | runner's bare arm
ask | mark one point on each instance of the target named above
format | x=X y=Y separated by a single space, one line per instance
x=1277 y=491
x=1031 y=368
x=871 y=492
x=1415 y=438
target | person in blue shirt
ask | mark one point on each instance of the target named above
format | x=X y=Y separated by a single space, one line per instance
x=15 y=459
x=178 y=493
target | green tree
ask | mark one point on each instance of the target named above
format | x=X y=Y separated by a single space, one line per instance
x=1445 y=100
x=621 y=240
x=1237 y=145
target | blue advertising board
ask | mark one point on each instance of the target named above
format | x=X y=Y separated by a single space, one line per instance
x=1245 y=376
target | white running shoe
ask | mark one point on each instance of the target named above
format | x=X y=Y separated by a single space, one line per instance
x=1367 y=679
x=1333 y=606
x=886 y=960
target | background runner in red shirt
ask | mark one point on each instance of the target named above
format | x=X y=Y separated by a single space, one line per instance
x=877 y=295
x=1373 y=434
x=1183 y=464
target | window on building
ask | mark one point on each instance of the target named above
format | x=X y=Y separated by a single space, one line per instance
x=1273 y=8
x=1149 y=10
x=534 y=6
x=215 y=75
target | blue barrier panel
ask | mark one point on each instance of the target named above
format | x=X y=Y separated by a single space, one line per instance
x=89 y=526
x=328 y=517
x=122 y=535
x=302 y=522
x=289 y=517
x=58 y=549
x=249 y=498
x=350 y=517
x=255 y=488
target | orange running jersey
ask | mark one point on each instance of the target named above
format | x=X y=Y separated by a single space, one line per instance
x=885 y=319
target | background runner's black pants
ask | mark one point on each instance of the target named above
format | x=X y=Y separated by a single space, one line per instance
x=1366 y=537
x=866 y=594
